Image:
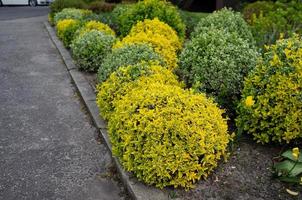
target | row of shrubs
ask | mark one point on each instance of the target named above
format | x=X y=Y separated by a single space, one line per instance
x=169 y=132
x=153 y=121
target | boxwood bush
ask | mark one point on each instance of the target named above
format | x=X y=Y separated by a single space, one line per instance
x=228 y=20
x=149 y=9
x=66 y=30
x=127 y=55
x=271 y=105
x=216 y=62
x=90 y=49
x=154 y=33
x=122 y=80
x=167 y=136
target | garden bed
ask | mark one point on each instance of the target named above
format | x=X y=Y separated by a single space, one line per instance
x=246 y=175
x=163 y=93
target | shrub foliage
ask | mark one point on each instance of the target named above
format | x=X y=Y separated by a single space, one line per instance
x=228 y=20
x=150 y=9
x=271 y=105
x=90 y=49
x=154 y=33
x=216 y=62
x=71 y=13
x=122 y=80
x=168 y=136
x=95 y=25
x=66 y=30
x=127 y=55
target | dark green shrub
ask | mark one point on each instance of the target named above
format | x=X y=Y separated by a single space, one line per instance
x=225 y=19
x=90 y=49
x=150 y=9
x=128 y=55
x=285 y=19
x=116 y=15
x=271 y=105
x=100 y=6
x=257 y=8
x=216 y=62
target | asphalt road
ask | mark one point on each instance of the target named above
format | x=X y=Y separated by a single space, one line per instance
x=48 y=148
x=18 y=12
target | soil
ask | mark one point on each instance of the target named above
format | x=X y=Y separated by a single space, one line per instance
x=247 y=175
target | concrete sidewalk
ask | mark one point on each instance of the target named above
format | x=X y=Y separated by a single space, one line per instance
x=48 y=146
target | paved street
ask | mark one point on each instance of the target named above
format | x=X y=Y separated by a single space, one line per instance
x=48 y=148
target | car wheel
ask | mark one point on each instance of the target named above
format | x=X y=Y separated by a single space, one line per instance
x=1 y=4
x=32 y=3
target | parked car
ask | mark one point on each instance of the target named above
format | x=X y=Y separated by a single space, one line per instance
x=25 y=2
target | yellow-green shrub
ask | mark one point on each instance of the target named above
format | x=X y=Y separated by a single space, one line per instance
x=271 y=105
x=168 y=136
x=122 y=80
x=157 y=39
x=157 y=27
x=95 y=25
x=66 y=29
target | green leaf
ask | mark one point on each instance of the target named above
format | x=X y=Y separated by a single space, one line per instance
x=288 y=154
x=287 y=165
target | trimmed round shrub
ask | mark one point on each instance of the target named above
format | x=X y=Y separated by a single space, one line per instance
x=157 y=27
x=146 y=33
x=168 y=136
x=150 y=9
x=216 y=62
x=89 y=49
x=71 y=13
x=225 y=19
x=66 y=29
x=122 y=81
x=271 y=105
x=95 y=25
x=127 y=55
